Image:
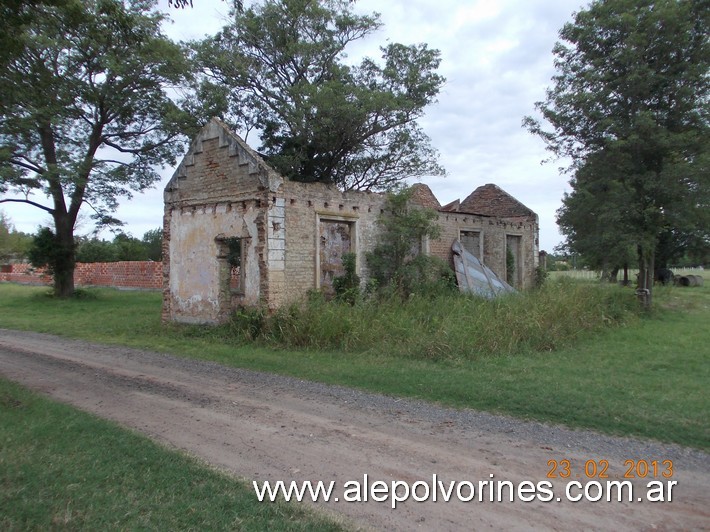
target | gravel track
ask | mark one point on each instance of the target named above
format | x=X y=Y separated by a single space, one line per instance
x=267 y=427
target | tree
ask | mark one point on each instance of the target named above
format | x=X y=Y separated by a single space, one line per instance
x=397 y=260
x=14 y=244
x=85 y=116
x=629 y=105
x=594 y=220
x=280 y=67
x=95 y=250
x=153 y=242
x=16 y=16
x=124 y=247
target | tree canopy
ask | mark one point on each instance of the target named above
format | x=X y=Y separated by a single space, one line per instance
x=122 y=247
x=13 y=244
x=85 y=116
x=397 y=261
x=280 y=67
x=629 y=106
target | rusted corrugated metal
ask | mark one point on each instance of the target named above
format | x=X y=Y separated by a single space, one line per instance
x=474 y=277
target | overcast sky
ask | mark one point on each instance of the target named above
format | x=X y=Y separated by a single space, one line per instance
x=497 y=59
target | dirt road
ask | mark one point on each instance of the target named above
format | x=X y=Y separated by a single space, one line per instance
x=265 y=427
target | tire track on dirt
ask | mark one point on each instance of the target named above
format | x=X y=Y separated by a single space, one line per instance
x=266 y=427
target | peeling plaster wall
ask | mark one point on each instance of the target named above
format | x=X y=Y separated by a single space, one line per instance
x=198 y=287
x=219 y=190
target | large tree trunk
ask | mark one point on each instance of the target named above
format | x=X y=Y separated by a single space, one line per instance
x=645 y=278
x=64 y=259
x=614 y=275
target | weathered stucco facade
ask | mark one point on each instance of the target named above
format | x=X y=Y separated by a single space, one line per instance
x=289 y=237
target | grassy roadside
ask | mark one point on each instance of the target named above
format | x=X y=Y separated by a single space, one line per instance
x=55 y=475
x=648 y=378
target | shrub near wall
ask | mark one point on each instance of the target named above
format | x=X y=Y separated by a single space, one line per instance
x=146 y=275
x=447 y=326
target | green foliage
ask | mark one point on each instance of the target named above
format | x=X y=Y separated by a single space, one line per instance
x=48 y=252
x=123 y=248
x=85 y=117
x=404 y=228
x=129 y=247
x=234 y=251
x=509 y=266
x=629 y=107
x=427 y=275
x=248 y=323
x=95 y=250
x=541 y=276
x=609 y=380
x=444 y=325
x=153 y=242
x=347 y=286
x=279 y=67
x=14 y=245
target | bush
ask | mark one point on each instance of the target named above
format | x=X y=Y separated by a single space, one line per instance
x=541 y=275
x=427 y=275
x=347 y=286
x=396 y=263
x=248 y=323
x=444 y=324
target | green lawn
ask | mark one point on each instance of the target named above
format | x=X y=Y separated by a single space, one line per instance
x=647 y=378
x=62 y=469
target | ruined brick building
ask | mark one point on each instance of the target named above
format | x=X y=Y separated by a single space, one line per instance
x=288 y=237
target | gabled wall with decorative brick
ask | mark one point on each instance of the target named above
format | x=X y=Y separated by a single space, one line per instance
x=222 y=189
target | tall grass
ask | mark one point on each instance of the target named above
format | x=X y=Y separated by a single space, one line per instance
x=443 y=326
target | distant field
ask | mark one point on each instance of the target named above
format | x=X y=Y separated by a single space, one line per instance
x=591 y=274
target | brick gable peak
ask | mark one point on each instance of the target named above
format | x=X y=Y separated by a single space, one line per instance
x=422 y=195
x=237 y=148
x=491 y=200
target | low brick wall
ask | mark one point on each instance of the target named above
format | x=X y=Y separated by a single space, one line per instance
x=146 y=275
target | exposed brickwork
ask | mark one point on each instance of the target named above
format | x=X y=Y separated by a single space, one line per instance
x=306 y=204
x=422 y=195
x=493 y=233
x=146 y=275
x=223 y=189
x=491 y=200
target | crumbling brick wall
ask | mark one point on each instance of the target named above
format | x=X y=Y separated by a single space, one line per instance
x=308 y=206
x=221 y=190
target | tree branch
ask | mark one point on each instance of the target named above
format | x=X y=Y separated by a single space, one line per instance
x=29 y=202
x=28 y=165
x=119 y=148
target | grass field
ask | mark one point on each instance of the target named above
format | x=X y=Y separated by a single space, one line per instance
x=647 y=377
x=61 y=469
x=594 y=275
